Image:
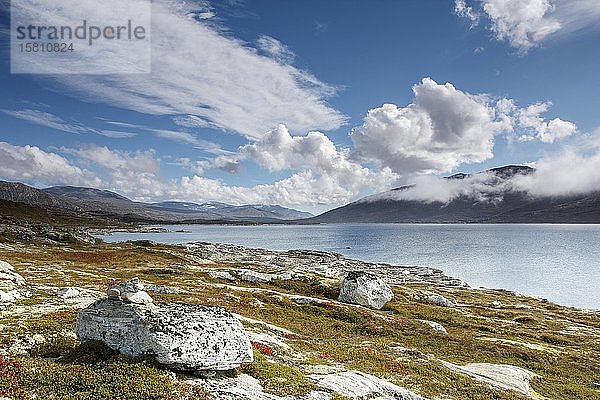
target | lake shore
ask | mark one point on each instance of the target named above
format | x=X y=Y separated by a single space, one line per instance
x=301 y=334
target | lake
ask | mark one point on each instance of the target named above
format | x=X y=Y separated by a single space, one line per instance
x=557 y=262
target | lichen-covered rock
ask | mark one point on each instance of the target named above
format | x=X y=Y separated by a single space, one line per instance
x=225 y=275
x=68 y=293
x=8 y=274
x=365 y=289
x=358 y=385
x=181 y=336
x=435 y=326
x=434 y=298
x=508 y=377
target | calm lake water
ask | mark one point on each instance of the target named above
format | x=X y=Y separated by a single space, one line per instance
x=557 y=262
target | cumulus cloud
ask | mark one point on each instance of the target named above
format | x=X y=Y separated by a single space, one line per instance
x=525 y=24
x=534 y=126
x=278 y=150
x=201 y=71
x=31 y=164
x=445 y=127
x=442 y=128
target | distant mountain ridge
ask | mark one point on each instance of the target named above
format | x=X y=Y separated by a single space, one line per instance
x=104 y=203
x=513 y=207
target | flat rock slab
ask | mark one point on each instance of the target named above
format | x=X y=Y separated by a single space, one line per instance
x=181 y=336
x=358 y=385
x=502 y=376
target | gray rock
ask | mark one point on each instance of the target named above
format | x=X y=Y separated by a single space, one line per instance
x=68 y=293
x=139 y=297
x=7 y=297
x=358 y=385
x=225 y=275
x=437 y=299
x=254 y=276
x=434 y=325
x=8 y=274
x=503 y=376
x=365 y=289
x=181 y=336
x=131 y=291
x=160 y=289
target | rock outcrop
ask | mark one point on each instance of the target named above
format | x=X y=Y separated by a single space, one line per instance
x=434 y=298
x=8 y=274
x=365 y=289
x=181 y=336
x=10 y=282
x=358 y=385
x=506 y=377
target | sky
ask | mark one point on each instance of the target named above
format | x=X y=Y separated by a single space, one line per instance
x=313 y=104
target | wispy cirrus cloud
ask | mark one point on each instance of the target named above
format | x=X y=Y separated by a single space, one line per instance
x=48 y=120
x=202 y=71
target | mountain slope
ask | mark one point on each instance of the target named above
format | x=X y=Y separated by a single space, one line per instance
x=505 y=206
x=106 y=204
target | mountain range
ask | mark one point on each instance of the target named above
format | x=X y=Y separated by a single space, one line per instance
x=490 y=198
x=505 y=205
x=106 y=204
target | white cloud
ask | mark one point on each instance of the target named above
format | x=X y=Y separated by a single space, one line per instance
x=116 y=134
x=536 y=127
x=445 y=127
x=483 y=187
x=442 y=128
x=275 y=49
x=522 y=23
x=188 y=138
x=48 y=120
x=115 y=160
x=463 y=10
x=525 y=24
x=278 y=151
x=200 y=71
x=31 y=164
x=567 y=173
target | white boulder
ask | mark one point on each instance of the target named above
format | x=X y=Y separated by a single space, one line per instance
x=8 y=274
x=365 y=289
x=181 y=336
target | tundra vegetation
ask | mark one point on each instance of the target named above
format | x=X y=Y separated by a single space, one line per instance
x=42 y=359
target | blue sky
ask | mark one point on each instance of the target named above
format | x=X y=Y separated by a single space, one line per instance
x=226 y=112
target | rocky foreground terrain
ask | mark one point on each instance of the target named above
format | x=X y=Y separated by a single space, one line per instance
x=278 y=328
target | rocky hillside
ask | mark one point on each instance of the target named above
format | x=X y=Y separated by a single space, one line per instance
x=492 y=202
x=434 y=339
x=104 y=204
